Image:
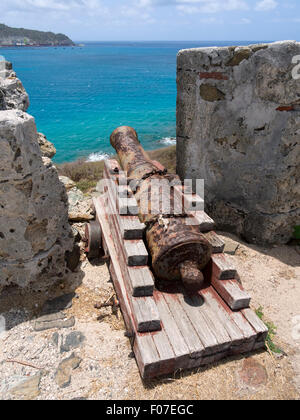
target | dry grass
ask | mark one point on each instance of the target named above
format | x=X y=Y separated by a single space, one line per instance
x=87 y=174
x=166 y=156
x=84 y=174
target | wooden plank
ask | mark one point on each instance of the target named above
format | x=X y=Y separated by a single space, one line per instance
x=200 y=218
x=232 y=293
x=146 y=355
x=187 y=330
x=222 y=267
x=124 y=191
x=163 y=346
x=131 y=227
x=142 y=281
x=192 y=308
x=128 y=226
x=144 y=310
x=205 y=223
x=260 y=328
x=127 y=206
x=217 y=327
x=145 y=314
x=178 y=344
x=144 y=348
x=176 y=339
x=242 y=334
x=214 y=358
x=122 y=298
x=132 y=278
x=216 y=242
x=250 y=335
x=114 y=265
x=135 y=252
x=191 y=202
x=222 y=312
x=122 y=196
x=112 y=166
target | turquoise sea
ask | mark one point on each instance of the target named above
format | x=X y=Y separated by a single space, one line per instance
x=80 y=95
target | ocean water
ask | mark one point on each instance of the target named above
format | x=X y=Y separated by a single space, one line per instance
x=80 y=95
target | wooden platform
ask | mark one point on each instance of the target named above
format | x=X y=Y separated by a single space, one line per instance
x=169 y=329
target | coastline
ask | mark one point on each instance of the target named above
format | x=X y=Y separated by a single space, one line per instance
x=36 y=46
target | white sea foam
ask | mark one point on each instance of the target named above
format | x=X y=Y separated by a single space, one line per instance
x=169 y=141
x=97 y=157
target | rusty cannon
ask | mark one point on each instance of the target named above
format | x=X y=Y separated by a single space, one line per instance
x=178 y=251
x=143 y=232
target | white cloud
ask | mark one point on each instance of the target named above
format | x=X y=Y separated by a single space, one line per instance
x=266 y=5
x=197 y=6
x=245 y=21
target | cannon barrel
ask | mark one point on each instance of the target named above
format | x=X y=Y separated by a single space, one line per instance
x=178 y=250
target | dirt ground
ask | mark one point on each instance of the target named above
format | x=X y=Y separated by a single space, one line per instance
x=105 y=367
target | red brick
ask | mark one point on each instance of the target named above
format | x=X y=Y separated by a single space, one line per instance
x=285 y=108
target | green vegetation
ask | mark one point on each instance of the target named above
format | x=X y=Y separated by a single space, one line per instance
x=87 y=174
x=271 y=334
x=11 y=36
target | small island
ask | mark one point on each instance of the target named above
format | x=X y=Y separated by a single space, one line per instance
x=20 y=37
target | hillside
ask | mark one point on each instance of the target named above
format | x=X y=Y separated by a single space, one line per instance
x=87 y=174
x=24 y=37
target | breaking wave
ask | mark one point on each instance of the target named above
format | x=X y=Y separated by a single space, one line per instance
x=168 y=141
x=97 y=157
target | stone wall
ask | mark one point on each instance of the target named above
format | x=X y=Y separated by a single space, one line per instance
x=34 y=230
x=238 y=128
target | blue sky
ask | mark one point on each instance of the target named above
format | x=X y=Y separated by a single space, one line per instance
x=158 y=19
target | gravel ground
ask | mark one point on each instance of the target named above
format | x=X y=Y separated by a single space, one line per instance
x=92 y=359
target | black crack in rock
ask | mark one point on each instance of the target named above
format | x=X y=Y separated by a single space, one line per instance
x=73 y=258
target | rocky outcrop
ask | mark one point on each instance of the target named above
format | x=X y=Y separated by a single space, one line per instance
x=14 y=96
x=35 y=236
x=238 y=128
x=34 y=229
x=47 y=148
x=12 y=92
